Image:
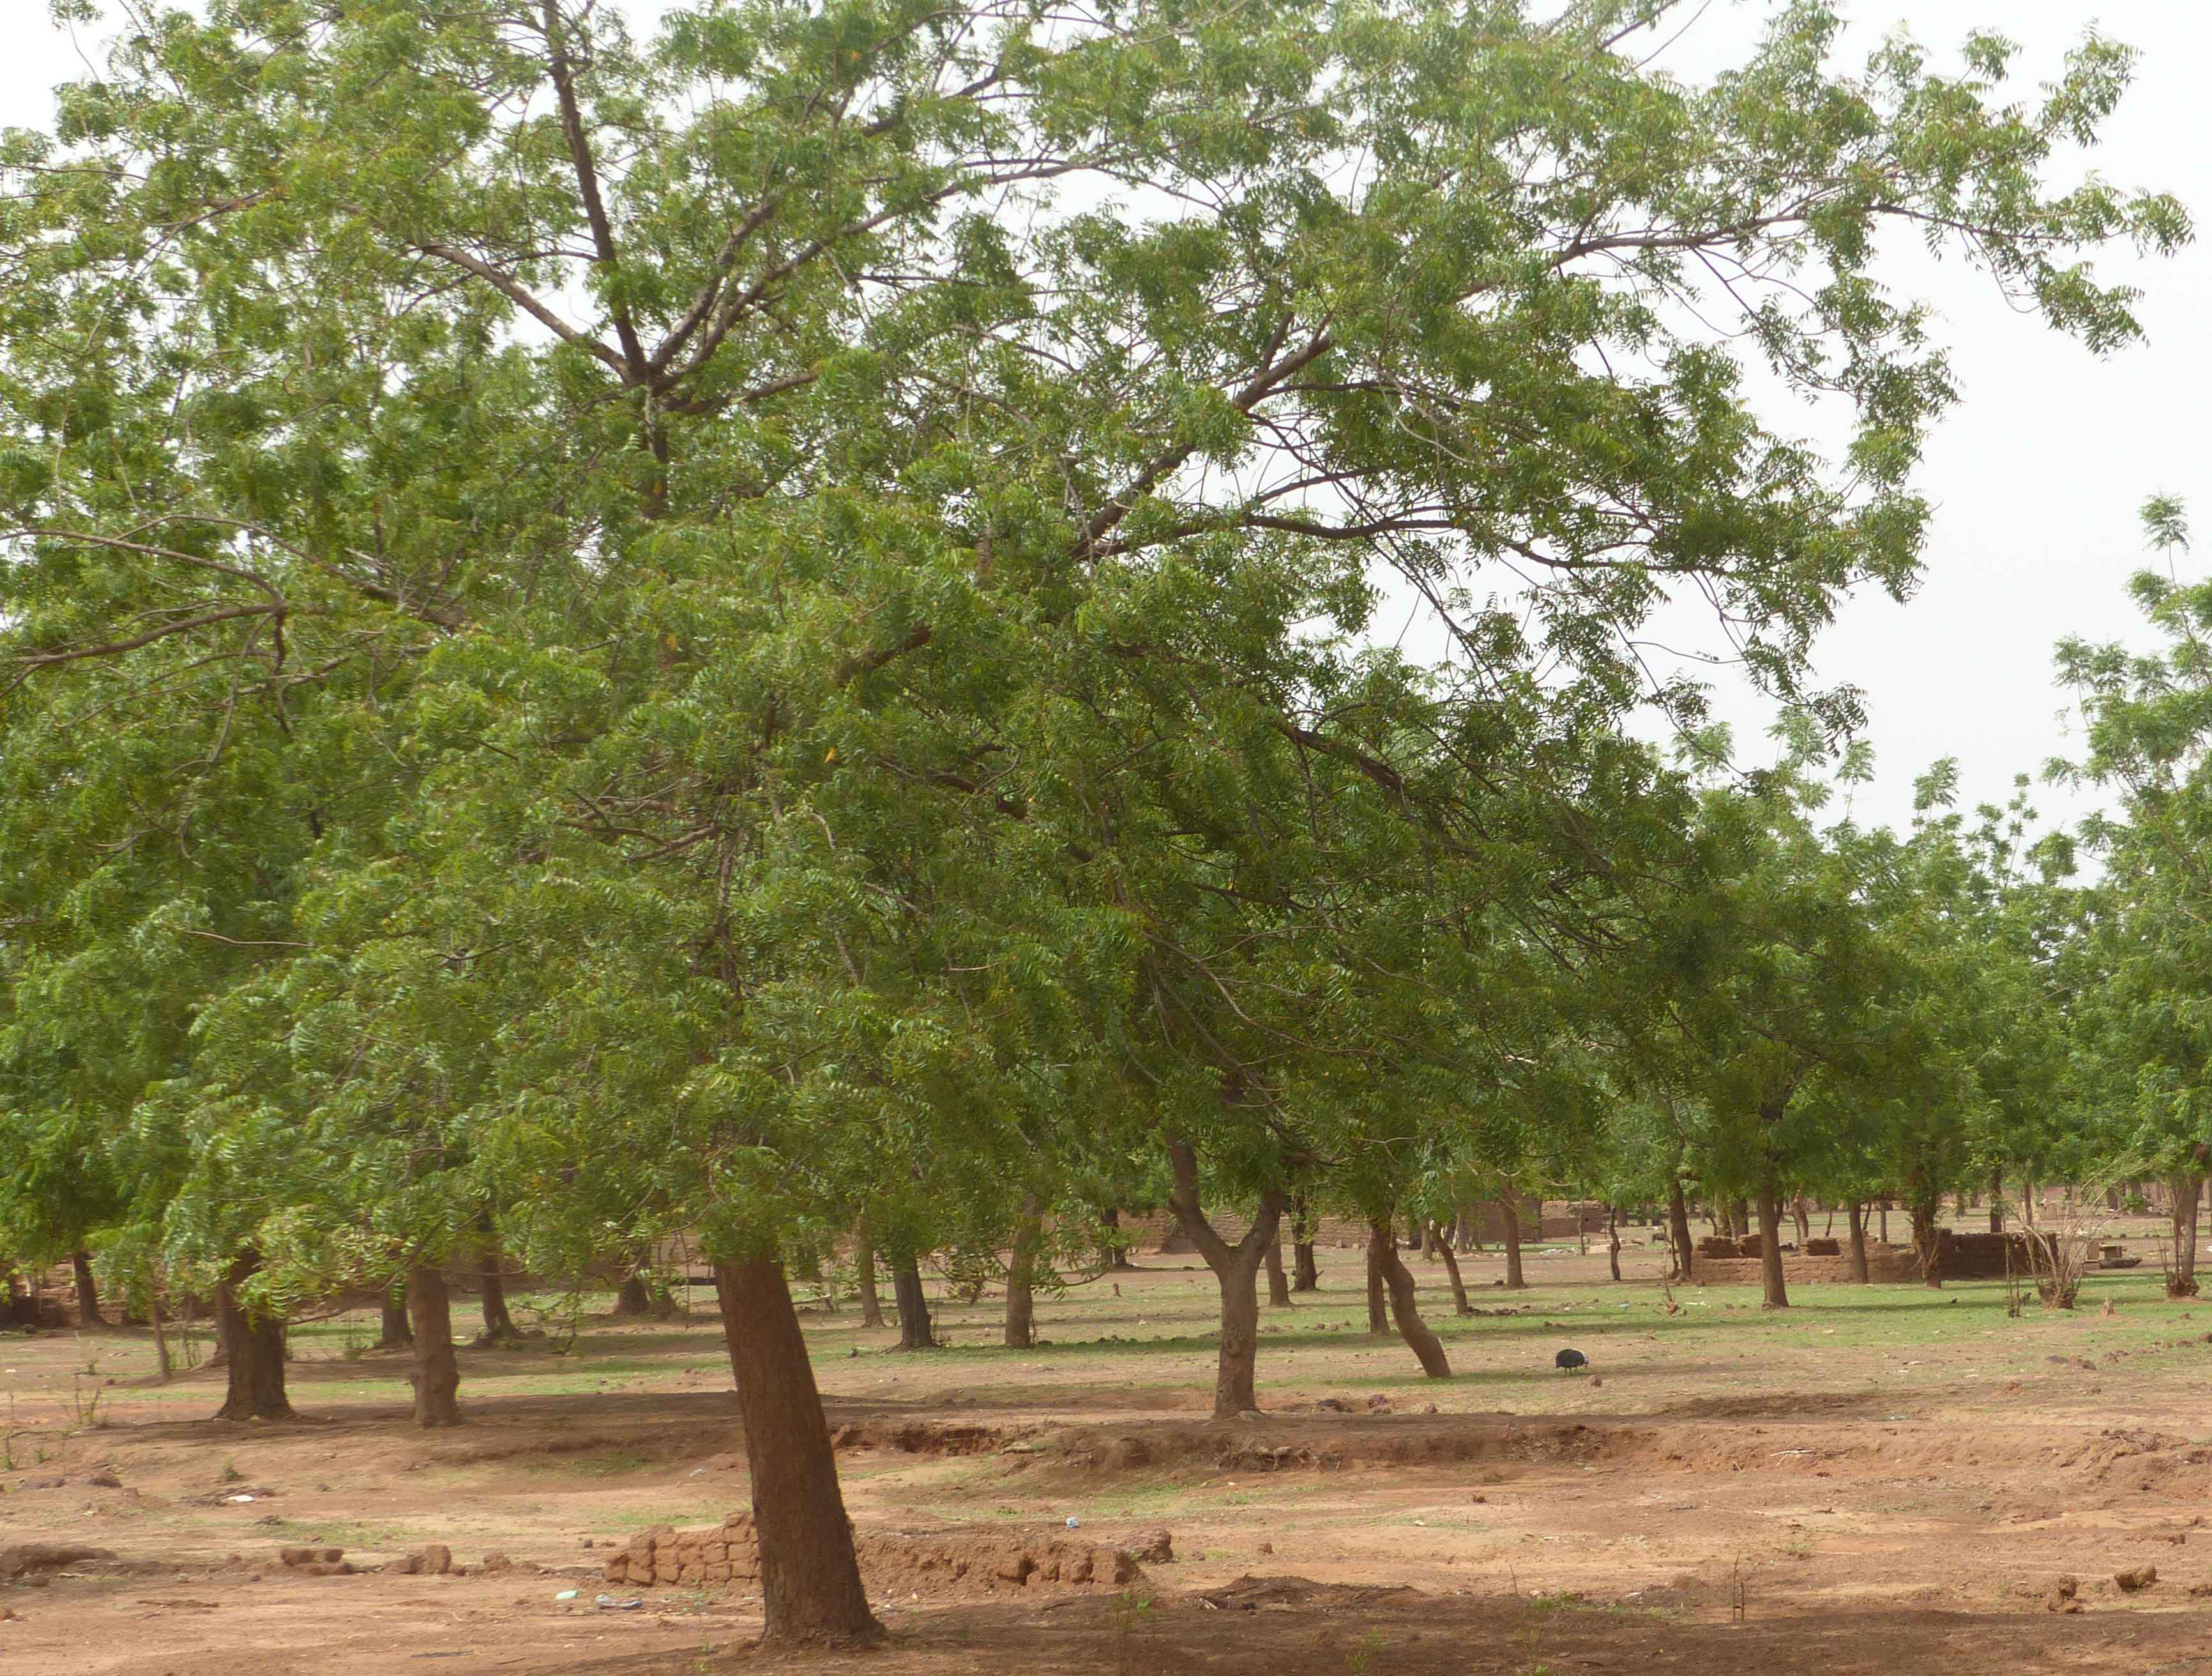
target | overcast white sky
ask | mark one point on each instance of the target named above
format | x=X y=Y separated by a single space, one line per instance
x=2037 y=474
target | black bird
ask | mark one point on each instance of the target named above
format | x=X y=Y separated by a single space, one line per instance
x=1569 y=1361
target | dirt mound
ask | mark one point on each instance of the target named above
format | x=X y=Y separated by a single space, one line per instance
x=939 y=1565
x=1250 y=1594
x=927 y=1437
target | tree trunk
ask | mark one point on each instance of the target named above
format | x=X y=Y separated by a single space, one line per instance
x=1774 y=1295
x=1613 y=1239
x=1305 y=1273
x=1460 y=1305
x=160 y=1337
x=255 y=1384
x=1997 y=1199
x=498 y=1325
x=633 y=1302
x=1378 y=1299
x=1419 y=1337
x=88 y=1291
x=2186 y=1198
x=811 y=1589
x=1117 y=1253
x=1858 y=1241
x=1509 y=1213
x=1677 y=1230
x=393 y=1332
x=1740 y=1218
x=1927 y=1240
x=1236 y=1271
x=437 y=1375
x=914 y=1333
x=864 y=1270
x=1804 y=1221
x=1279 y=1283
x=1021 y=1275
x=1884 y=1234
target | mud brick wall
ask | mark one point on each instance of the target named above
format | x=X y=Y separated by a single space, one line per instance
x=727 y=1555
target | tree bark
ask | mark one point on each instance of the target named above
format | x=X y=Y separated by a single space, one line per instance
x=88 y=1291
x=254 y=1387
x=1509 y=1213
x=811 y=1588
x=1460 y=1305
x=1021 y=1275
x=437 y=1375
x=1678 y=1230
x=632 y=1299
x=1774 y=1294
x=160 y=1337
x=1927 y=1240
x=1384 y=1259
x=1235 y=1269
x=864 y=1270
x=1996 y=1198
x=1117 y=1254
x=1305 y=1273
x=1858 y=1241
x=1740 y=1217
x=393 y=1334
x=498 y=1325
x=2187 y=1195
x=1613 y=1239
x=915 y=1332
x=1279 y=1283
x=1804 y=1222
x=1378 y=1302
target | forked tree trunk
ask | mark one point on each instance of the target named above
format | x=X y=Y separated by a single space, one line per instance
x=1774 y=1294
x=1740 y=1217
x=1613 y=1239
x=1279 y=1283
x=393 y=1332
x=1384 y=1261
x=810 y=1590
x=1117 y=1254
x=632 y=1299
x=1460 y=1305
x=1678 y=1230
x=2187 y=1195
x=1305 y=1273
x=1509 y=1214
x=1236 y=1271
x=254 y=1387
x=1021 y=1275
x=913 y=1303
x=437 y=1375
x=864 y=1273
x=88 y=1291
x=1378 y=1302
x=1804 y=1221
x=1858 y=1241
x=498 y=1325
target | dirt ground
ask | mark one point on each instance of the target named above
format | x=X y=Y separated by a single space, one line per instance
x=1885 y=1479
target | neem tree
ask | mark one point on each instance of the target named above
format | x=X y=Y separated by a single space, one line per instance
x=702 y=476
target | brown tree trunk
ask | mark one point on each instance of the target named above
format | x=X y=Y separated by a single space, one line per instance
x=1613 y=1239
x=393 y=1332
x=254 y=1389
x=1884 y=1233
x=160 y=1337
x=1021 y=1275
x=1858 y=1240
x=1678 y=1230
x=1279 y=1283
x=2187 y=1195
x=864 y=1271
x=1774 y=1294
x=1117 y=1254
x=810 y=1590
x=632 y=1299
x=1927 y=1240
x=913 y=1303
x=1305 y=1273
x=88 y=1291
x=1236 y=1271
x=437 y=1375
x=1509 y=1213
x=498 y=1325
x=1419 y=1337
x=1378 y=1300
x=1740 y=1217
x=1804 y=1222
x=1997 y=1199
x=1460 y=1305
